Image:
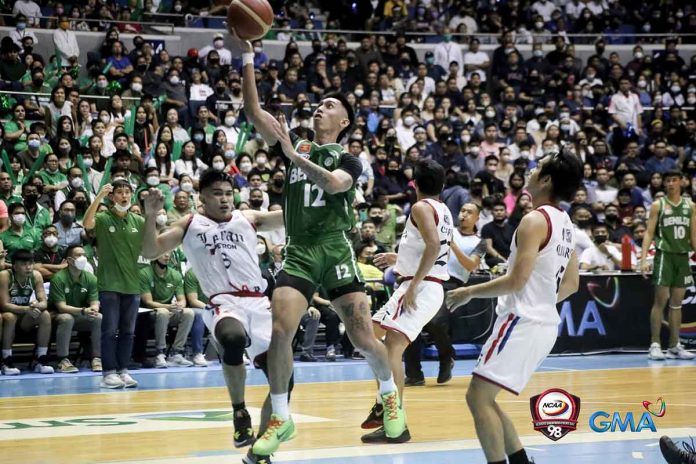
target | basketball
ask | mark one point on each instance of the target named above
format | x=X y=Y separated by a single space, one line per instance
x=251 y=19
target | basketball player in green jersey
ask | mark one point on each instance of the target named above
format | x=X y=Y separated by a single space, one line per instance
x=318 y=210
x=671 y=223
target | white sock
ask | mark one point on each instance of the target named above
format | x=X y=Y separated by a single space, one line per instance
x=6 y=353
x=41 y=351
x=387 y=386
x=379 y=398
x=279 y=403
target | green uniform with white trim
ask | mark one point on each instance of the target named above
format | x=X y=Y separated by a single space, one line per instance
x=673 y=243
x=317 y=223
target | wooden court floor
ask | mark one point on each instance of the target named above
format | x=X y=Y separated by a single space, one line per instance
x=39 y=429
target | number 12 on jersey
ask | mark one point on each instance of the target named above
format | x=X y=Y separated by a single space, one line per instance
x=318 y=199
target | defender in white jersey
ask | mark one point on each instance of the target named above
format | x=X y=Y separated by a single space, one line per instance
x=421 y=265
x=543 y=271
x=220 y=245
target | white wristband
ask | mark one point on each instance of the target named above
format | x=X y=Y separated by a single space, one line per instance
x=247 y=58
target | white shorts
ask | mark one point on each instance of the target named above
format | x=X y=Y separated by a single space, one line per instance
x=254 y=313
x=515 y=349
x=392 y=316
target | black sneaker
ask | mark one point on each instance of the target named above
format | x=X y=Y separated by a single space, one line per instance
x=380 y=436
x=252 y=458
x=375 y=418
x=445 y=374
x=674 y=455
x=306 y=357
x=414 y=381
x=243 y=432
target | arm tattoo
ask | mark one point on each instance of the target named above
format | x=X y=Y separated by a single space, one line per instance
x=320 y=176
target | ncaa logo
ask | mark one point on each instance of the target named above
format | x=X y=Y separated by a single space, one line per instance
x=555 y=413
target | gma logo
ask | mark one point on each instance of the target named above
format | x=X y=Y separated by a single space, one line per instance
x=599 y=422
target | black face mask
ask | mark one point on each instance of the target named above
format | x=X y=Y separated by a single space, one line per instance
x=316 y=48
x=160 y=265
x=584 y=223
x=477 y=191
x=80 y=205
x=37 y=82
x=599 y=239
x=376 y=219
x=256 y=203
x=236 y=90
x=278 y=182
x=142 y=67
x=611 y=217
x=220 y=90
x=31 y=199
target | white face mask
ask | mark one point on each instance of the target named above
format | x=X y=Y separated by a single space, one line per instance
x=245 y=167
x=638 y=55
x=230 y=120
x=161 y=219
x=258 y=49
x=490 y=114
x=261 y=161
x=19 y=219
x=305 y=123
x=174 y=80
x=218 y=165
x=260 y=249
x=50 y=241
x=564 y=116
x=121 y=209
x=359 y=92
x=675 y=88
x=409 y=120
x=230 y=154
x=136 y=87
x=642 y=84
x=524 y=154
x=691 y=100
x=77 y=182
x=88 y=162
x=218 y=44
x=187 y=187
x=105 y=119
x=80 y=263
x=538 y=24
x=153 y=181
x=102 y=84
x=466 y=138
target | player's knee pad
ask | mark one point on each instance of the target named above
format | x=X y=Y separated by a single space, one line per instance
x=233 y=343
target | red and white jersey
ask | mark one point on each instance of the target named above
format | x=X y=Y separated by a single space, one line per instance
x=412 y=245
x=537 y=299
x=223 y=255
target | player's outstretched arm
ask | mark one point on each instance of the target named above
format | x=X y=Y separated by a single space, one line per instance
x=155 y=244
x=262 y=120
x=530 y=235
x=571 y=279
x=336 y=181
x=265 y=221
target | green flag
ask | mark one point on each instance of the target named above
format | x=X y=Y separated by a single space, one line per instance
x=8 y=168
x=35 y=167
x=107 y=173
x=176 y=150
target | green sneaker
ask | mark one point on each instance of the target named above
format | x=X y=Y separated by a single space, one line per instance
x=277 y=431
x=394 y=416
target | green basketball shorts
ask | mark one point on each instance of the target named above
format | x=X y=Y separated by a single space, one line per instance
x=672 y=270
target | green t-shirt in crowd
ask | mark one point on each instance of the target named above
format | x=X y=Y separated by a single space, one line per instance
x=163 y=289
x=191 y=285
x=78 y=293
x=29 y=239
x=119 y=243
x=52 y=178
x=39 y=220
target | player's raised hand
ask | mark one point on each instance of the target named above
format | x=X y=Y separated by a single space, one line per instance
x=384 y=260
x=458 y=297
x=105 y=191
x=153 y=201
x=244 y=46
x=282 y=133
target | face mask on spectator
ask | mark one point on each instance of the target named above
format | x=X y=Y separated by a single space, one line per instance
x=198 y=137
x=409 y=120
x=88 y=162
x=256 y=203
x=177 y=8
x=105 y=119
x=359 y=92
x=142 y=68
x=490 y=114
x=261 y=161
x=305 y=123
x=258 y=49
x=161 y=219
x=67 y=218
x=230 y=154
x=638 y=55
x=174 y=80
x=599 y=239
x=230 y=120
x=675 y=88
x=136 y=86
x=218 y=165
x=218 y=43
x=538 y=53
x=153 y=181
x=33 y=143
x=187 y=187
x=376 y=219
x=466 y=138
x=260 y=249
x=525 y=154
x=77 y=182
x=50 y=241
x=474 y=149
x=80 y=263
x=245 y=166
x=539 y=24
x=691 y=100
x=21 y=26
x=121 y=209
x=102 y=83
x=565 y=127
x=278 y=182
x=19 y=219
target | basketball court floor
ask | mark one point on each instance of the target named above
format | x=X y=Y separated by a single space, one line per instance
x=182 y=416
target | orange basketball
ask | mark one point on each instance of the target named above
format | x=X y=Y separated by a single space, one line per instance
x=251 y=19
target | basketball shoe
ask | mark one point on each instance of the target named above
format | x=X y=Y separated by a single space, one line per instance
x=375 y=418
x=379 y=436
x=674 y=455
x=277 y=432
x=252 y=458
x=243 y=432
x=394 y=416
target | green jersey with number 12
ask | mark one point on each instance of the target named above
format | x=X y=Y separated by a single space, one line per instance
x=310 y=211
x=673 y=233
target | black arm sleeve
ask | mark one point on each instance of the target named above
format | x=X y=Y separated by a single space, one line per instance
x=351 y=164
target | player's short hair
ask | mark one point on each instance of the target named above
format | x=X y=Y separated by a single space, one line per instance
x=22 y=255
x=121 y=183
x=429 y=176
x=565 y=170
x=211 y=176
x=349 y=111
x=671 y=173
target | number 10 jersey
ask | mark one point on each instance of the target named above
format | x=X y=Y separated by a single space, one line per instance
x=223 y=255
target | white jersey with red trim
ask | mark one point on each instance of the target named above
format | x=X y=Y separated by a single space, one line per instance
x=537 y=299
x=223 y=255
x=412 y=245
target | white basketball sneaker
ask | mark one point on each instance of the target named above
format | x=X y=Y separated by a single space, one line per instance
x=656 y=353
x=112 y=381
x=178 y=360
x=678 y=352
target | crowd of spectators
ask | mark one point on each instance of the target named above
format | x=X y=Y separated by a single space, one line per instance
x=158 y=121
